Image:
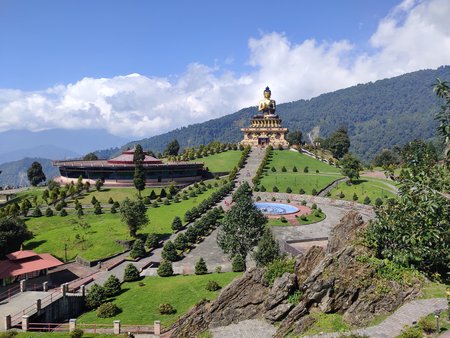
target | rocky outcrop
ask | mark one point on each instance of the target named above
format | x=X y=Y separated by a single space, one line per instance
x=333 y=281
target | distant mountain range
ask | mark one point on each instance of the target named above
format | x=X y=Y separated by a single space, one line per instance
x=15 y=173
x=54 y=143
x=378 y=115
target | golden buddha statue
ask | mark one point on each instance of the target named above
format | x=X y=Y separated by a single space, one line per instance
x=267 y=106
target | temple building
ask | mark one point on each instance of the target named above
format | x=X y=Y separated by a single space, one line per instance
x=119 y=171
x=265 y=127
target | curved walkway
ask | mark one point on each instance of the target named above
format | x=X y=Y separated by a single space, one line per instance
x=391 y=327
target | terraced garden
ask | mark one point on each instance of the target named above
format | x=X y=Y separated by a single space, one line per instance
x=317 y=176
x=95 y=236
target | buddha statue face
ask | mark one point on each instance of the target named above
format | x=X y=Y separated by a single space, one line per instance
x=267 y=93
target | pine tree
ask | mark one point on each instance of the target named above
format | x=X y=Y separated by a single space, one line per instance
x=268 y=249
x=200 y=267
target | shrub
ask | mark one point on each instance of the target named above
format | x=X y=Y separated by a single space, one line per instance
x=277 y=268
x=96 y=296
x=131 y=273
x=314 y=206
x=63 y=213
x=275 y=189
x=177 y=224
x=212 y=285
x=113 y=210
x=97 y=209
x=411 y=332
x=165 y=269
x=273 y=169
x=152 y=241
x=317 y=171
x=166 y=202
x=263 y=188
x=218 y=269
x=147 y=200
x=273 y=199
x=283 y=219
x=367 y=200
x=288 y=190
x=355 y=197
x=378 y=202
x=303 y=202
x=169 y=252
x=314 y=192
x=426 y=325
x=93 y=201
x=283 y=169
x=238 y=264
x=59 y=206
x=49 y=212
x=200 y=267
x=303 y=217
x=77 y=333
x=294 y=169
x=116 y=204
x=341 y=195
x=301 y=191
x=306 y=170
x=138 y=249
x=110 y=201
x=112 y=286
x=258 y=198
x=37 y=212
x=107 y=310
x=180 y=242
x=166 y=309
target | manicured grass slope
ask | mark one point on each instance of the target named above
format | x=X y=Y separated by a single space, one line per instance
x=298 y=180
x=365 y=186
x=222 y=162
x=94 y=236
x=140 y=304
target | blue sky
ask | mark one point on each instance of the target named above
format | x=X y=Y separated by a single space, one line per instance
x=139 y=68
x=45 y=43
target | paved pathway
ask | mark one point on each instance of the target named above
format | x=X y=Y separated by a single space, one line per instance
x=389 y=328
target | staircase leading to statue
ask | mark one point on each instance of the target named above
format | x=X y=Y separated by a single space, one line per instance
x=249 y=170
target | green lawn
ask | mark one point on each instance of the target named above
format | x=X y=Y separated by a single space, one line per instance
x=365 y=186
x=312 y=218
x=140 y=304
x=117 y=194
x=83 y=236
x=29 y=193
x=222 y=162
x=327 y=322
x=298 y=180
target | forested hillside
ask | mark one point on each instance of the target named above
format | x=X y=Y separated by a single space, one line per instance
x=378 y=115
x=15 y=173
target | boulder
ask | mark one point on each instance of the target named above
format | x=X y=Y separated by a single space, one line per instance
x=281 y=289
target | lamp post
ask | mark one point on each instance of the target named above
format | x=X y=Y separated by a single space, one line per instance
x=437 y=315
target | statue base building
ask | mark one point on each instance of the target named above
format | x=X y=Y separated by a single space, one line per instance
x=265 y=128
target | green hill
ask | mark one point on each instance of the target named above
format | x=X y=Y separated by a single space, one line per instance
x=15 y=173
x=378 y=115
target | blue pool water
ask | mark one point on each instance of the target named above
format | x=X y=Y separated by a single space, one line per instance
x=275 y=208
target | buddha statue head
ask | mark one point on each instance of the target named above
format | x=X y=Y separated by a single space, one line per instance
x=267 y=93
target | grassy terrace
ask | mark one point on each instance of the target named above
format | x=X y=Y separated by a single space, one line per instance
x=182 y=292
x=222 y=162
x=372 y=187
x=83 y=235
x=298 y=180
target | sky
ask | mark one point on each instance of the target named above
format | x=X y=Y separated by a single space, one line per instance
x=141 y=68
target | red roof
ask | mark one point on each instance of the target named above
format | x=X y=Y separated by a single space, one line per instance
x=26 y=261
x=127 y=158
x=20 y=255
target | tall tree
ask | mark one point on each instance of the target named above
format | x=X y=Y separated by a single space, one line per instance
x=338 y=143
x=268 y=249
x=90 y=157
x=13 y=232
x=35 y=174
x=350 y=166
x=294 y=137
x=442 y=91
x=242 y=227
x=133 y=214
x=139 y=155
x=172 y=148
x=139 y=174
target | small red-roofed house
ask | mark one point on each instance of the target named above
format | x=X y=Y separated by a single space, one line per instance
x=25 y=264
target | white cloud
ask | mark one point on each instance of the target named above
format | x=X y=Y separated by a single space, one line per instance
x=415 y=35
